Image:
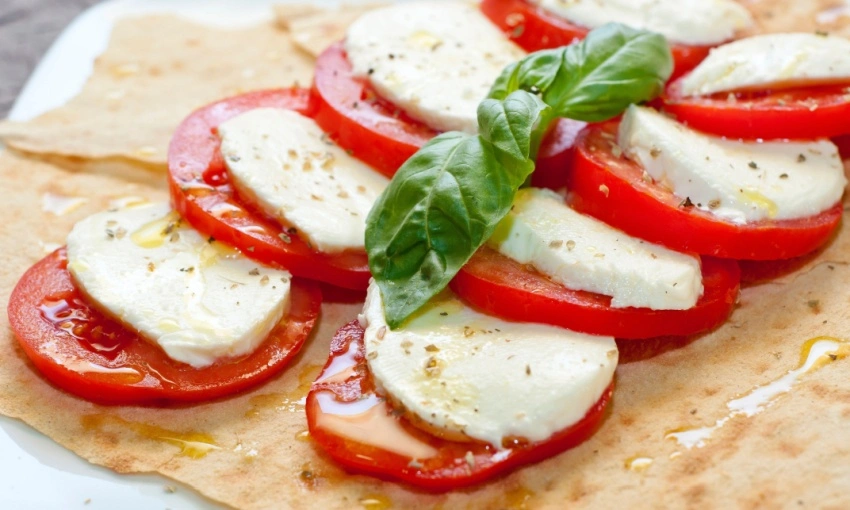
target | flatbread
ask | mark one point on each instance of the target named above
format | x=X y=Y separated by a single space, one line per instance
x=155 y=71
x=792 y=451
x=313 y=29
x=251 y=451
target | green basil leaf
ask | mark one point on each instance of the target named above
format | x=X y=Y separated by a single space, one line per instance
x=596 y=79
x=515 y=127
x=443 y=203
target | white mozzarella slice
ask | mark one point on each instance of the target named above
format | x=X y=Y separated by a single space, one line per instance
x=198 y=300
x=434 y=60
x=696 y=22
x=771 y=60
x=583 y=253
x=465 y=372
x=283 y=162
x=736 y=181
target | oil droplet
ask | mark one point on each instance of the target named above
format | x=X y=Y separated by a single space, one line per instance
x=60 y=204
x=146 y=152
x=815 y=353
x=303 y=435
x=760 y=201
x=375 y=502
x=153 y=234
x=369 y=421
x=194 y=445
x=291 y=401
x=517 y=498
x=124 y=70
x=638 y=463
x=126 y=202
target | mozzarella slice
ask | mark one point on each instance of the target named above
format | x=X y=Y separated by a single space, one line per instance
x=198 y=300
x=489 y=379
x=583 y=253
x=697 y=22
x=434 y=60
x=283 y=162
x=736 y=181
x=771 y=60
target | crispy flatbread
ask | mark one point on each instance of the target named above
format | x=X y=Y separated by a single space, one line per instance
x=156 y=70
x=251 y=451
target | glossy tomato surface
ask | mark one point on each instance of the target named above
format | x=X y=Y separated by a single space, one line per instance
x=384 y=137
x=500 y=286
x=357 y=428
x=202 y=194
x=534 y=29
x=87 y=353
x=613 y=189
x=803 y=113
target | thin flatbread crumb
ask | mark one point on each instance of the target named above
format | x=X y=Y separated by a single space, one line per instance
x=156 y=70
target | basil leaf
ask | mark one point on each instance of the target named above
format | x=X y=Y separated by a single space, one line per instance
x=443 y=203
x=596 y=79
x=515 y=128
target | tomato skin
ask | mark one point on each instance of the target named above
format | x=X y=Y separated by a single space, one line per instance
x=803 y=113
x=200 y=190
x=59 y=331
x=447 y=470
x=531 y=27
x=384 y=137
x=503 y=287
x=843 y=143
x=647 y=211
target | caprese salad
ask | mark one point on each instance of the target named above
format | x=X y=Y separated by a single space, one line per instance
x=487 y=338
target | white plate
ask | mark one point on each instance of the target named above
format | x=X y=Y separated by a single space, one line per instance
x=35 y=472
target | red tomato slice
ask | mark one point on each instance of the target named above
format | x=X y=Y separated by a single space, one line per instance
x=612 y=189
x=843 y=143
x=383 y=136
x=91 y=355
x=344 y=396
x=501 y=286
x=201 y=192
x=534 y=29
x=797 y=113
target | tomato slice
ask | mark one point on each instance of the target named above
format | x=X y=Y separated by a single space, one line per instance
x=93 y=356
x=343 y=399
x=384 y=137
x=843 y=143
x=534 y=29
x=646 y=210
x=501 y=286
x=804 y=113
x=201 y=192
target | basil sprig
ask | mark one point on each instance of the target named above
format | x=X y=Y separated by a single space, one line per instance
x=447 y=199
